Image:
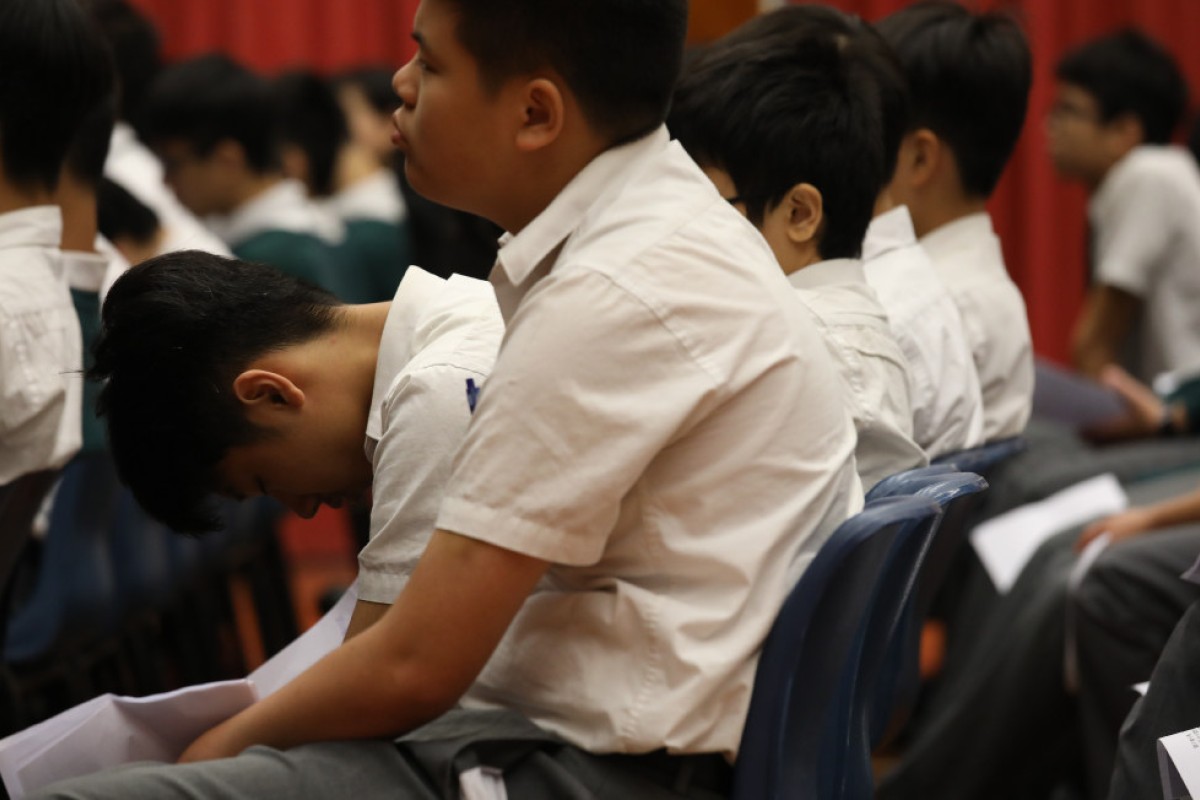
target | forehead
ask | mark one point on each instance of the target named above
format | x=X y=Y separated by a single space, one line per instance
x=435 y=27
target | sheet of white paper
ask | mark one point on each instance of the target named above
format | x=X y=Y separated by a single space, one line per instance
x=1067 y=397
x=1006 y=542
x=308 y=648
x=1179 y=764
x=482 y=783
x=110 y=730
x=1141 y=688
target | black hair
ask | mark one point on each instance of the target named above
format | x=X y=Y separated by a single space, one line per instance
x=136 y=50
x=969 y=75
x=311 y=118
x=54 y=68
x=89 y=150
x=176 y=331
x=785 y=107
x=620 y=58
x=120 y=215
x=1127 y=72
x=210 y=99
x=376 y=85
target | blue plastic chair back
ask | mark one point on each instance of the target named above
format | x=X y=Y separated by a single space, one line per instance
x=74 y=595
x=983 y=459
x=897 y=686
x=802 y=723
x=909 y=481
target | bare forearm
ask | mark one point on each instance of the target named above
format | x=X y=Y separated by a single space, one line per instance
x=1176 y=511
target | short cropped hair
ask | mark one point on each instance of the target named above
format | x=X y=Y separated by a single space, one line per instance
x=786 y=107
x=176 y=331
x=120 y=215
x=210 y=99
x=969 y=75
x=311 y=118
x=620 y=58
x=136 y=50
x=54 y=68
x=1127 y=72
x=89 y=150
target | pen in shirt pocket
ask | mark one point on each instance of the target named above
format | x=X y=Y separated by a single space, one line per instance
x=472 y=394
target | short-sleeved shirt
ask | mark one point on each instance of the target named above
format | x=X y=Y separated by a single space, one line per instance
x=439 y=333
x=40 y=347
x=282 y=227
x=661 y=426
x=874 y=371
x=1145 y=220
x=967 y=256
x=377 y=237
x=943 y=386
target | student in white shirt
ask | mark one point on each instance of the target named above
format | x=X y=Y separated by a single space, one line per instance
x=969 y=76
x=1119 y=98
x=55 y=69
x=793 y=139
x=598 y=587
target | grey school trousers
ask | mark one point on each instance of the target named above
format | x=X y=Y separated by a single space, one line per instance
x=424 y=765
x=1001 y=725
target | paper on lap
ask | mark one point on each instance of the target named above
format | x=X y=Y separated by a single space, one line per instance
x=110 y=730
x=1179 y=764
x=1006 y=542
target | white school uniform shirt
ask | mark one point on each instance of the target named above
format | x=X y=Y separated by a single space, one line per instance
x=438 y=334
x=874 y=371
x=942 y=384
x=376 y=197
x=285 y=206
x=41 y=347
x=660 y=427
x=1145 y=220
x=131 y=164
x=967 y=256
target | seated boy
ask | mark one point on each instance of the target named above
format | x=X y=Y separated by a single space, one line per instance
x=969 y=75
x=213 y=124
x=346 y=181
x=598 y=587
x=54 y=67
x=1119 y=99
x=793 y=138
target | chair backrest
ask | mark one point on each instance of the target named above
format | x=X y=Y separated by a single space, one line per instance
x=801 y=725
x=983 y=459
x=909 y=481
x=897 y=685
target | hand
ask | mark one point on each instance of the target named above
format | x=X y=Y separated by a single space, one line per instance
x=1119 y=527
x=215 y=743
x=1144 y=411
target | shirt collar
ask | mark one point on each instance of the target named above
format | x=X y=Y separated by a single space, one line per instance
x=413 y=298
x=834 y=272
x=521 y=254
x=889 y=231
x=283 y=207
x=37 y=226
x=959 y=234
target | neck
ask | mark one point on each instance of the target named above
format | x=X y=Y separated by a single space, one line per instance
x=15 y=198
x=78 y=205
x=355 y=344
x=355 y=164
x=557 y=167
x=936 y=214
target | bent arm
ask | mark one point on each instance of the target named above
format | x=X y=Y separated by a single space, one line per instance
x=405 y=670
x=1106 y=319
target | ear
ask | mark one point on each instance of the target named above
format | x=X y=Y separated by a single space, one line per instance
x=228 y=153
x=923 y=151
x=263 y=393
x=805 y=211
x=1125 y=132
x=542 y=116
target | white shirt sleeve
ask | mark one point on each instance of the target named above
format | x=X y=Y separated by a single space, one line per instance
x=425 y=419
x=1129 y=240
x=569 y=420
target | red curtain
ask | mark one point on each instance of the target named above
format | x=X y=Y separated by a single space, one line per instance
x=1040 y=219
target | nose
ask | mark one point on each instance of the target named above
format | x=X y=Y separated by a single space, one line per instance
x=404 y=83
